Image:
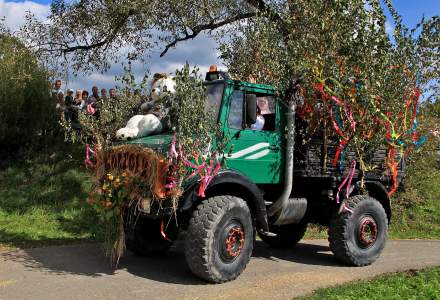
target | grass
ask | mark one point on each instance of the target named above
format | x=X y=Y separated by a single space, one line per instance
x=412 y=284
x=42 y=200
x=417 y=209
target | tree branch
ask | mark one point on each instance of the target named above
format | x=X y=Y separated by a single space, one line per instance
x=261 y=6
x=119 y=24
x=210 y=26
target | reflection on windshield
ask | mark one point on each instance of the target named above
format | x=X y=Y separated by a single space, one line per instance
x=215 y=94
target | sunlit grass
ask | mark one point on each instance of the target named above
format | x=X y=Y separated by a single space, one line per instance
x=43 y=200
x=423 y=284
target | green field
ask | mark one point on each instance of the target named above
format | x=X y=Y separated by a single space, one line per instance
x=412 y=284
x=42 y=200
x=417 y=209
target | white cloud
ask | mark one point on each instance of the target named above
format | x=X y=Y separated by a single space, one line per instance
x=14 y=12
x=389 y=28
x=200 y=52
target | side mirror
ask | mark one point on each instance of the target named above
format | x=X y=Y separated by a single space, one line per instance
x=251 y=109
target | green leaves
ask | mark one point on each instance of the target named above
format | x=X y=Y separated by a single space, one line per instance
x=345 y=45
x=26 y=107
x=190 y=122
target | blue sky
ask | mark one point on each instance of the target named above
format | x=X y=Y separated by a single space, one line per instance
x=413 y=10
x=201 y=51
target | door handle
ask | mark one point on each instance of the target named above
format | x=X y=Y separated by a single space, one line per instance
x=274 y=148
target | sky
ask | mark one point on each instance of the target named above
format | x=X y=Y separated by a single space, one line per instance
x=201 y=51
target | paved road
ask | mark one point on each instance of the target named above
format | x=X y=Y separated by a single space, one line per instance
x=81 y=272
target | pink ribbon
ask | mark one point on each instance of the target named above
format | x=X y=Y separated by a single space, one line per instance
x=171 y=185
x=338 y=102
x=211 y=171
x=173 y=152
x=350 y=117
x=205 y=171
x=347 y=181
x=345 y=208
x=90 y=109
x=89 y=152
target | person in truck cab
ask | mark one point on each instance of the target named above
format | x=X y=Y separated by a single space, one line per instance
x=259 y=124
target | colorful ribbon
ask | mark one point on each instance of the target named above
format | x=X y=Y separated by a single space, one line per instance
x=350 y=100
x=393 y=169
x=89 y=153
x=204 y=170
x=347 y=182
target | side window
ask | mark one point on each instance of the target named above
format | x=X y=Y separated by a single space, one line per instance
x=266 y=113
x=266 y=104
x=235 y=119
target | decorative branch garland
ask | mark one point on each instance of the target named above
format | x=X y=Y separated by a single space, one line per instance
x=346 y=112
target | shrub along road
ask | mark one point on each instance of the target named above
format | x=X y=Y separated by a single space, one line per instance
x=81 y=272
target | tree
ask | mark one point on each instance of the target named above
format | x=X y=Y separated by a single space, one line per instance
x=360 y=83
x=91 y=33
x=26 y=108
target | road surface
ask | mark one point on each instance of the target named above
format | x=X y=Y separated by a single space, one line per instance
x=81 y=272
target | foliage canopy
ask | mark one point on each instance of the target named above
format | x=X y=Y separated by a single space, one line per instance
x=26 y=108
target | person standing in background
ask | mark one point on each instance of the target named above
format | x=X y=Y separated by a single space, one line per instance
x=113 y=94
x=104 y=95
x=85 y=97
x=94 y=103
x=94 y=97
x=69 y=105
x=58 y=98
x=79 y=99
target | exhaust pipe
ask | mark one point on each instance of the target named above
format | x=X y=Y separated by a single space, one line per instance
x=288 y=210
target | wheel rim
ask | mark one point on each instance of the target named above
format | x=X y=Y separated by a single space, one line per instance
x=232 y=242
x=368 y=232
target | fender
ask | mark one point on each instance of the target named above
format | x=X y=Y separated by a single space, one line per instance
x=232 y=183
x=378 y=191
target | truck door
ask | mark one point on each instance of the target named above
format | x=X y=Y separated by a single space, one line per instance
x=254 y=150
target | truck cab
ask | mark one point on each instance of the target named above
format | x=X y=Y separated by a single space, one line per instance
x=254 y=152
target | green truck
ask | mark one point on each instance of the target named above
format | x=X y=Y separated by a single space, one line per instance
x=269 y=186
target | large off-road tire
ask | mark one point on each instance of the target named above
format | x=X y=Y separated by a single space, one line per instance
x=287 y=236
x=145 y=238
x=220 y=239
x=358 y=234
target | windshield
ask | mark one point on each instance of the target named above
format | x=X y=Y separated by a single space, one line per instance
x=215 y=94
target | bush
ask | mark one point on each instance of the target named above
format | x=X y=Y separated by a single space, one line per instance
x=26 y=108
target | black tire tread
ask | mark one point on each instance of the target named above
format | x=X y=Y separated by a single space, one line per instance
x=197 y=239
x=338 y=233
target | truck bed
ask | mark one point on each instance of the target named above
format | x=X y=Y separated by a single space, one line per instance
x=315 y=158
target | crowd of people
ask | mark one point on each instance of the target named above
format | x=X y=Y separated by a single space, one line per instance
x=70 y=103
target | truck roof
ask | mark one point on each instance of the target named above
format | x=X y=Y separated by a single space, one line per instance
x=257 y=86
